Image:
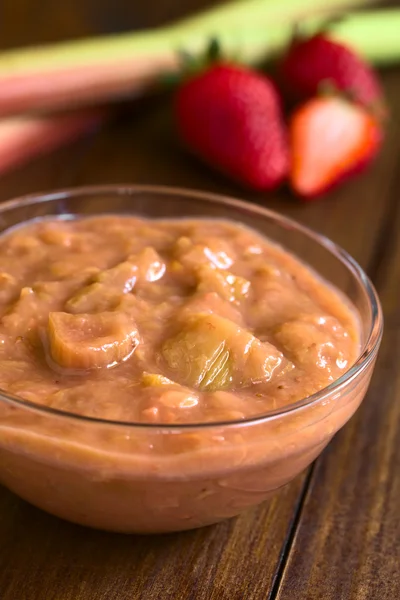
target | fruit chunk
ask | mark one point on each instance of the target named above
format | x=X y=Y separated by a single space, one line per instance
x=210 y=303
x=107 y=287
x=213 y=353
x=330 y=139
x=215 y=253
x=314 y=341
x=90 y=341
x=230 y=117
x=150 y=266
x=29 y=310
x=8 y=287
x=155 y=380
x=230 y=287
x=168 y=395
x=105 y=290
x=317 y=61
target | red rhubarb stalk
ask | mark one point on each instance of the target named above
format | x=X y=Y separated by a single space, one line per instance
x=105 y=68
x=23 y=138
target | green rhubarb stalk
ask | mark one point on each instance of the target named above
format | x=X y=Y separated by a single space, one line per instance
x=105 y=68
x=248 y=19
x=375 y=35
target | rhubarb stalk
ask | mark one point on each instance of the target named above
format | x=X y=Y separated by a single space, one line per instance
x=88 y=71
x=24 y=137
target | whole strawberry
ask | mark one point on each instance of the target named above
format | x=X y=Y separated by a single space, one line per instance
x=231 y=118
x=317 y=61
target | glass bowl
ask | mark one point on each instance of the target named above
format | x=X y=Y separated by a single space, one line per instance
x=146 y=478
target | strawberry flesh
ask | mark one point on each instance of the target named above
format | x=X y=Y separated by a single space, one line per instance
x=331 y=139
x=231 y=118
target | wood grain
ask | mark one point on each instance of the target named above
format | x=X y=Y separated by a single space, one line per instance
x=43 y=558
x=344 y=521
x=347 y=540
x=346 y=544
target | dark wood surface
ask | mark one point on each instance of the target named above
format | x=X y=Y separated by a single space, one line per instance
x=334 y=533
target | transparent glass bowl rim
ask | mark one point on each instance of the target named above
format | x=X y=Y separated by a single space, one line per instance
x=368 y=351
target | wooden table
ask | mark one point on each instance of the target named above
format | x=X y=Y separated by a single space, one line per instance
x=334 y=533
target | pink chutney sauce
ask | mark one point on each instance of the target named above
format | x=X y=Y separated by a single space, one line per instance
x=184 y=322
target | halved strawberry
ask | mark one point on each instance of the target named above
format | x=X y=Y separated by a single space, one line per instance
x=330 y=139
